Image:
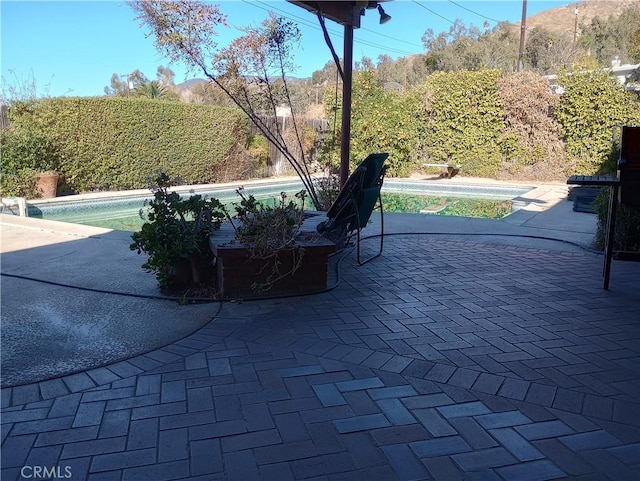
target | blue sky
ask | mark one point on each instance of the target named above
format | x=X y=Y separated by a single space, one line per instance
x=73 y=47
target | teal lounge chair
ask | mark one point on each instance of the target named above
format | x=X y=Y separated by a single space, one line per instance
x=354 y=205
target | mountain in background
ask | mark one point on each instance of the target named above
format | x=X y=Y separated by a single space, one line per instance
x=189 y=84
x=559 y=20
x=562 y=20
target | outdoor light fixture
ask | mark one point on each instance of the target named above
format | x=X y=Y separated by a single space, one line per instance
x=384 y=18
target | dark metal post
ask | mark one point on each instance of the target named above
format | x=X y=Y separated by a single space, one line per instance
x=610 y=235
x=345 y=132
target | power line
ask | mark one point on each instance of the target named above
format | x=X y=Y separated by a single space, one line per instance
x=435 y=13
x=305 y=22
x=474 y=12
x=392 y=38
x=359 y=41
x=290 y=16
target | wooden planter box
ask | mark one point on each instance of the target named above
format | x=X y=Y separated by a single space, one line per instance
x=236 y=272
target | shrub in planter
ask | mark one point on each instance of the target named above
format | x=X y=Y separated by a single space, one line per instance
x=327 y=188
x=176 y=233
x=269 y=233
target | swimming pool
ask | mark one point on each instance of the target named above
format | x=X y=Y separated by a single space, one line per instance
x=120 y=211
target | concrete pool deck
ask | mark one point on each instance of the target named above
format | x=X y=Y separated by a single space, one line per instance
x=64 y=325
x=472 y=349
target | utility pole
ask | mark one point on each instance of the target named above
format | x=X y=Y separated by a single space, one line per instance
x=523 y=28
x=575 y=27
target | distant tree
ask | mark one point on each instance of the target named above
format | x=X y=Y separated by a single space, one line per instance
x=469 y=48
x=125 y=85
x=326 y=76
x=390 y=74
x=396 y=75
x=137 y=84
x=634 y=48
x=155 y=90
x=365 y=64
x=208 y=93
x=302 y=94
x=166 y=76
x=539 y=43
x=440 y=48
x=499 y=47
x=547 y=52
x=606 y=39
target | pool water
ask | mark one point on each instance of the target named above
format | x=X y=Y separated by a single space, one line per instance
x=452 y=206
x=125 y=215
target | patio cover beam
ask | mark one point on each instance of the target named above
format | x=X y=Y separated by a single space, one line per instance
x=346 y=13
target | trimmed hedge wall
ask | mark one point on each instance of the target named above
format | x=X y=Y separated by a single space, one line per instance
x=593 y=103
x=495 y=125
x=116 y=143
x=108 y=143
x=382 y=122
x=464 y=121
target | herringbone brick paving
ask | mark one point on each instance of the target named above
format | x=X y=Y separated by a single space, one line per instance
x=440 y=360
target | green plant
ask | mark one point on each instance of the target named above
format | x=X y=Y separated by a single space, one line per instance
x=627 y=228
x=176 y=233
x=268 y=231
x=258 y=149
x=111 y=143
x=380 y=122
x=328 y=188
x=463 y=120
x=593 y=103
x=19 y=183
x=28 y=148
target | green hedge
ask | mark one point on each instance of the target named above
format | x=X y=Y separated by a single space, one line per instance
x=382 y=122
x=491 y=123
x=111 y=143
x=592 y=104
x=463 y=121
x=458 y=117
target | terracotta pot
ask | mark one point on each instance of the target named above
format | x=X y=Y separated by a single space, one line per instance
x=47 y=183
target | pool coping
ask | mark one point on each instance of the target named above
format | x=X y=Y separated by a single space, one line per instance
x=539 y=198
x=479 y=189
x=138 y=193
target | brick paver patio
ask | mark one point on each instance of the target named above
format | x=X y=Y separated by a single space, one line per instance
x=443 y=359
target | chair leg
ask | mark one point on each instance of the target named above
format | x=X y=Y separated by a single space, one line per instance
x=362 y=262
